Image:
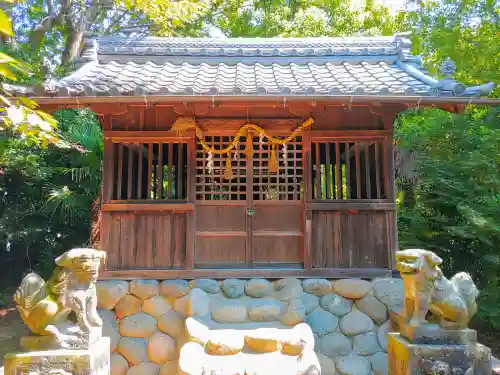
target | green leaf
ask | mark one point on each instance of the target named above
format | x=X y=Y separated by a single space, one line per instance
x=4 y=58
x=28 y=102
x=47 y=118
x=6 y=72
x=5 y=24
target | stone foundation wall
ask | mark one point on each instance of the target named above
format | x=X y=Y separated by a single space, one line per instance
x=156 y=327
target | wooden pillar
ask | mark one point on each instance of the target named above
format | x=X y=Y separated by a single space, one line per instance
x=390 y=185
x=191 y=198
x=108 y=167
x=107 y=182
x=306 y=163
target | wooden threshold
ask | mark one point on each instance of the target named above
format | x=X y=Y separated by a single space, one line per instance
x=327 y=273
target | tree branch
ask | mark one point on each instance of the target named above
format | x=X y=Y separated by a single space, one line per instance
x=50 y=8
x=48 y=23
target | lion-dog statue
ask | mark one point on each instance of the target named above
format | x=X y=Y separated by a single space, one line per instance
x=451 y=303
x=64 y=307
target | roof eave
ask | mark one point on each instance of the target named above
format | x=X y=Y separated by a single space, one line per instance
x=340 y=99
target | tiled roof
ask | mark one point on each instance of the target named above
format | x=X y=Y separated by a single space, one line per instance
x=115 y=66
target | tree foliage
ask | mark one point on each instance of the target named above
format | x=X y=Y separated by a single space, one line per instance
x=20 y=115
x=270 y=18
x=47 y=195
x=50 y=33
x=467 y=31
x=453 y=207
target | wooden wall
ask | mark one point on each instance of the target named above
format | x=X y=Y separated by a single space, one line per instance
x=337 y=234
x=343 y=239
x=144 y=240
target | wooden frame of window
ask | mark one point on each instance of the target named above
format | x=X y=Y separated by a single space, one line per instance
x=349 y=204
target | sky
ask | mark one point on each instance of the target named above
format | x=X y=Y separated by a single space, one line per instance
x=392 y=5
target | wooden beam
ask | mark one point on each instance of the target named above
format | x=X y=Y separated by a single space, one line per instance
x=396 y=101
x=328 y=273
x=327 y=172
x=150 y=171
x=107 y=109
x=317 y=176
x=358 y=173
x=159 y=173
x=324 y=135
x=308 y=241
x=130 y=159
x=346 y=205
x=338 y=170
x=108 y=176
x=191 y=197
x=347 y=158
x=147 y=207
x=145 y=136
x=119 y=186
x=389 y=175
x=140 y=163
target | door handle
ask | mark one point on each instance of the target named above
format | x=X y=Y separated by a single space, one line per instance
x=250 y=212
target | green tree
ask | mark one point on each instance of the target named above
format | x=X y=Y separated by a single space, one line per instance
x=50 y=33
x=467 y=31
x=20 y=115
x=47 y=196
x=268 y=18
x=452 y=205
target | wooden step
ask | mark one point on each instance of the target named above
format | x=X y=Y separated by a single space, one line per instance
x=194 y=360
x=229 y=339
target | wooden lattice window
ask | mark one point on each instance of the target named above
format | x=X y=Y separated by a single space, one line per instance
x=262 y=184
x=347 y=170
x=210 y=181
x=286 y=182
x=149 y=171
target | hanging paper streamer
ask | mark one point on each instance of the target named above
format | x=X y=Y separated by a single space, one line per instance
x=210 y=164
x=273 y=160
x=285 y=154
x=228 y=171
x=261 y=141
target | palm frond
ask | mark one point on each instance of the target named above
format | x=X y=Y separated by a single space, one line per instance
x=65 y=204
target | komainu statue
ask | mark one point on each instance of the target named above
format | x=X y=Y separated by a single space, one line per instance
x=451 y=303
x=64 y=309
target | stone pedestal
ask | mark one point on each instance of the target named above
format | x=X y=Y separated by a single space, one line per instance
x=92 y=361
x=407 y=358
x=431 y=333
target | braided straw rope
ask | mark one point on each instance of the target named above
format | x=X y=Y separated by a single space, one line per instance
x=183 y=124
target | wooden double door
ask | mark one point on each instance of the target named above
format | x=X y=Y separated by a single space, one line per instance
x=254 y=219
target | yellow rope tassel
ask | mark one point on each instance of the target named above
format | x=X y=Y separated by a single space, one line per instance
x=249 y=146
x=273 y=160
x=228 y=171
x=185 y=123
